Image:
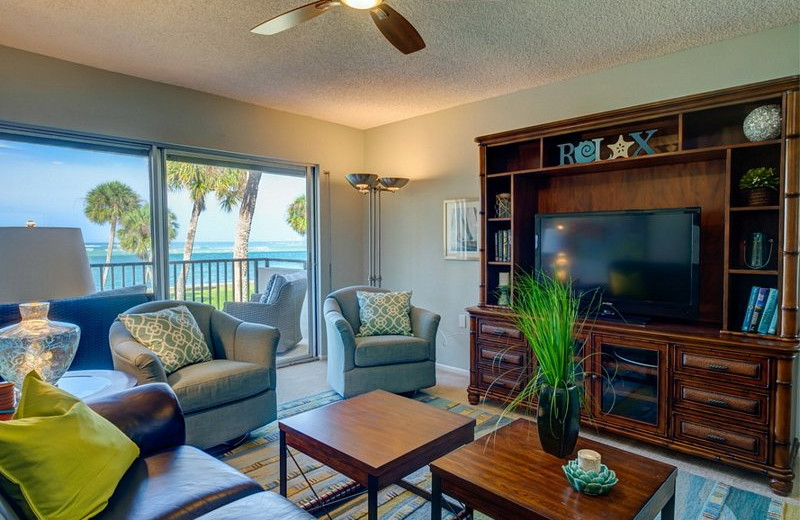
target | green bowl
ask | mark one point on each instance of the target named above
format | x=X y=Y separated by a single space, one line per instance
x=590 y=483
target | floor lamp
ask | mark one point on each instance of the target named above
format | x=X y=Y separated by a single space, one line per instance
x=370 y=184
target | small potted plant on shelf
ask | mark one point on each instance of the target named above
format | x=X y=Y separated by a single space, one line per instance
x=760 y=186
x=547 y=313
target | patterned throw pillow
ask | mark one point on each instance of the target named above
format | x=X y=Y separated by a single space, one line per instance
x=384 y=313
x=172 y=334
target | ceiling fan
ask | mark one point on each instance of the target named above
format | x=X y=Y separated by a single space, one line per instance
x=394 y=27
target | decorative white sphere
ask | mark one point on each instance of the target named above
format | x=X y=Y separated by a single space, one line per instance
x=763 y=123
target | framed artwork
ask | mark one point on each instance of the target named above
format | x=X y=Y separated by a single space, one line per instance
x=461 y=229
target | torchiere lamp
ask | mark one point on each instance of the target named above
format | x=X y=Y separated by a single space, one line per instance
x=370 y=184
x=39 y=264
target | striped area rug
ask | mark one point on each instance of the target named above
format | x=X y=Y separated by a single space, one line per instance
x=697 y=498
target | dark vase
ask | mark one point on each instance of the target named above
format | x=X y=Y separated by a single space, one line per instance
x=558 y=420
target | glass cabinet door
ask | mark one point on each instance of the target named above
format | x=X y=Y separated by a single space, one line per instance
x=631 y=383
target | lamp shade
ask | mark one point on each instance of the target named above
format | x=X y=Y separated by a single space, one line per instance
x=42 y=264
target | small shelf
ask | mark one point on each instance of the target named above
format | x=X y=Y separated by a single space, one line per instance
x=498 y=219
x=499 y=263
x=763 y=272
x=756 y=208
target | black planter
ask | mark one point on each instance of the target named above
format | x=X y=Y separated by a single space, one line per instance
x=558 y=420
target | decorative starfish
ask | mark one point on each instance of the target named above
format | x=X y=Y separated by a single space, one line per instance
x=620 y=148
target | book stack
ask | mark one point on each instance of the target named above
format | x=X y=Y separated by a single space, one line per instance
x=502 y=246
x=761 y=315
x=6 y=401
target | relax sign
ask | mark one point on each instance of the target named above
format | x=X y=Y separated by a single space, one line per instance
x=590 y=151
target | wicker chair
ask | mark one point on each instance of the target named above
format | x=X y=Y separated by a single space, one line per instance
x=281 y=308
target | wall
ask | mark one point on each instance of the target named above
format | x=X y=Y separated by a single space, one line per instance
x=437 y=151
x=58 y=94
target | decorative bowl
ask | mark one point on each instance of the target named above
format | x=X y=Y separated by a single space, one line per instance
x=590 y=483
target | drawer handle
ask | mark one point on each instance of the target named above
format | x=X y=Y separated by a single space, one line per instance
x=716 y=438
x=718 y=368
x=718 y=402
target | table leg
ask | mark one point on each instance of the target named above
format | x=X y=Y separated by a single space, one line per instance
x=282 y=449
x=372 y=498
x=436 y=497
x=668 y=511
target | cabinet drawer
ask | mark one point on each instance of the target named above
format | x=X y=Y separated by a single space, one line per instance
x=749 y=444
x=729 y=404
x=489 y=354
x=722 y=367
x=501 y=379
x=499 y=331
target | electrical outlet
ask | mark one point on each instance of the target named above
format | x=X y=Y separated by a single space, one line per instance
x=462 y=320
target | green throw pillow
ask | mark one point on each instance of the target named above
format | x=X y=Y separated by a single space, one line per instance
x=59 y=458
x=384 y=313
x=172 y=334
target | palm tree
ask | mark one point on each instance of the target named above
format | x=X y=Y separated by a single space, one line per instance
x=200 y=180
x=241 y=243
x=105 y=204
x=135 y=235
x=296 y=215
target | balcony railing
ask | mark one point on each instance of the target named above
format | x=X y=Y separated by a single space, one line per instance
x=208 y=281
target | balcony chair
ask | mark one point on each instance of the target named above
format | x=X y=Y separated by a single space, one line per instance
x=224 y=398
x=393 y=362
x=280 y=306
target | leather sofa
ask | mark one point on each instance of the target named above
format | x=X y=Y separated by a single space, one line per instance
x=170 y=480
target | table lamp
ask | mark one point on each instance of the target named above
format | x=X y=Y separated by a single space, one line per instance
x=38 y=264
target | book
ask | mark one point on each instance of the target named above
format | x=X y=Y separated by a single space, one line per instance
x=773 y=323
x=770 y=309
x=758 y=308
x=749 y=311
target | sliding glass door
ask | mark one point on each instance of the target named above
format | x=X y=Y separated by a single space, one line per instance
x=217 y=228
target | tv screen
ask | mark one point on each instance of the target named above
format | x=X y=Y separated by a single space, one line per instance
x=639 y=263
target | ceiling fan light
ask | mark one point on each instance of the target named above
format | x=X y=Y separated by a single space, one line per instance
x=362 y=4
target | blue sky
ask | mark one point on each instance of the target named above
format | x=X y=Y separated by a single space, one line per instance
x=48 y=184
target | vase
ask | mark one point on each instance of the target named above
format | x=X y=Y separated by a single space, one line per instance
x=759 y=196
x=36 y=343
x=763 y=123
x=558 y=419
x=502 y=205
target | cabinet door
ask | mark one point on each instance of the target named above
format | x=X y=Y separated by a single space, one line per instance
x=629 y=383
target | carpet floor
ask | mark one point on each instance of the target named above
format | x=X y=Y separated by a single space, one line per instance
x=697 y=498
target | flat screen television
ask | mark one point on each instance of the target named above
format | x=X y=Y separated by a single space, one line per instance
x=636 y=264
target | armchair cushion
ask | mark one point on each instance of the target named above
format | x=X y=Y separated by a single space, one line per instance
x=384 y=313
x=389 y=350
x=218 y=382
x=172 y=333
x=60 y=458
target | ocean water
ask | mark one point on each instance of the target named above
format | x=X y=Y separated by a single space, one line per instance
x=204 y=270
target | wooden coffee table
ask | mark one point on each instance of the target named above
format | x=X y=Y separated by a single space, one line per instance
x=508 y=477
x=376 y=439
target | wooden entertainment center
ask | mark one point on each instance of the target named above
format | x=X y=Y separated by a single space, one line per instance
x=699 y=386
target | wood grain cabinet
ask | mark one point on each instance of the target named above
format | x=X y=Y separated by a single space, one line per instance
x=700 y=386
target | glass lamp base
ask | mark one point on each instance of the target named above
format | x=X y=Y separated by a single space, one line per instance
x=36 y=343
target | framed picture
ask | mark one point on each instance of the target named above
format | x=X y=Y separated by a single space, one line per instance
x=462 y=229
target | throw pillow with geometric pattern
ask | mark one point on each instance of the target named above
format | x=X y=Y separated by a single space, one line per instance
x=384 y=313
x=172 y=334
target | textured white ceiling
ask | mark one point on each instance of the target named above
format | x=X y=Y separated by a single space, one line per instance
x=338 y=67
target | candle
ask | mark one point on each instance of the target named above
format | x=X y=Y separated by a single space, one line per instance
x=502 y=279
x=589 y=460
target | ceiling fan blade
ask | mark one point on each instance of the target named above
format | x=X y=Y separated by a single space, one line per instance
x=294 y=17
x=397 y=29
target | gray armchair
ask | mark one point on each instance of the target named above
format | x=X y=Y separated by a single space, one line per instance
x=224 y=398
x=393 y=363
x=282 y=310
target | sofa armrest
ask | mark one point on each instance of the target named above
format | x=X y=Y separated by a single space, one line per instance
x=134 y=358
x=341 y=338
x=242 y=341
x=149 y=415
x=424 y=324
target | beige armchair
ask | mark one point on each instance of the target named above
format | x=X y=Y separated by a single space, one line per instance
x=224 y=398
